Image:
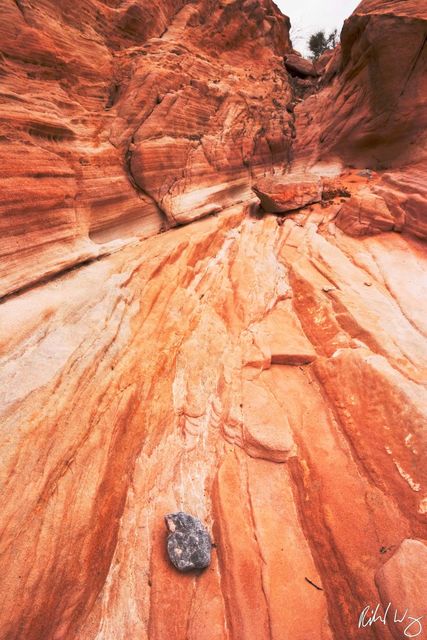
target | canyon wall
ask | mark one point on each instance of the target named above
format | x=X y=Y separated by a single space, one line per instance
x=122 y=118
x=265 y=374
x=372 y=111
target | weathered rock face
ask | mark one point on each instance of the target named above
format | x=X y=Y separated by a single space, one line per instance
x=375 y=111
x=372 y=113
x=365 y=214
x=121 y=118
x=405 y=193
x=150 y=386
x=267 y=378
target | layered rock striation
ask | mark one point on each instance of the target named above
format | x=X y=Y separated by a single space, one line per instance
x=121 y=119
x=264 y=373
x=267 y=379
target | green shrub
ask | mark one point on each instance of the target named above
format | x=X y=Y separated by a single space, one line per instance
x=318 y=43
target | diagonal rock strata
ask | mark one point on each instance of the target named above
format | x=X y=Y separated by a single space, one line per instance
x=267 y=378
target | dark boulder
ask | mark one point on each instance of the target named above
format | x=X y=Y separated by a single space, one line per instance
x=188 y=544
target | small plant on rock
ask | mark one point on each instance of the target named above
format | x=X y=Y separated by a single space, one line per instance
x=318 y=43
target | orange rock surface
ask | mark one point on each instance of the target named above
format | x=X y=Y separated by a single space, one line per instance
x=287 y=193
x=374 y=110
x=120 y=118
x=265 y=374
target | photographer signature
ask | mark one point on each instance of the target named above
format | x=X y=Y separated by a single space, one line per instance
x=370 y=616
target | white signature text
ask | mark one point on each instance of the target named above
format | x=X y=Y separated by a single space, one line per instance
x=370 y=616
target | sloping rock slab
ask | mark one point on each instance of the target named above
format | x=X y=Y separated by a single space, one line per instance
x=280 y=335
x=267 y=433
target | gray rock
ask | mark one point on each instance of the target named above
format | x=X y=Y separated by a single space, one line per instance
x=188 y=544
x=365 y=173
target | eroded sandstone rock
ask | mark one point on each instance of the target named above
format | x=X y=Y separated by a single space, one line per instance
x=279 y=194
x=405 y=193
x=280 y=336
x=366 y=213
x=269 y=378
x=133 y=396
x=299 y=66
x=120 y=120
x=372 y=113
